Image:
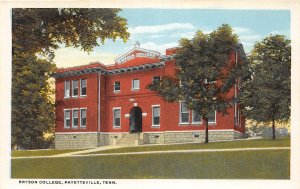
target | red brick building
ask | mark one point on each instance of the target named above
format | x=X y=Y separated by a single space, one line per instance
x=99 y=104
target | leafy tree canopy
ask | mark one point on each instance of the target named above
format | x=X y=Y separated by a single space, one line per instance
x=37 y=33
x=205 y=73
x=42 y=30
x=267 y=97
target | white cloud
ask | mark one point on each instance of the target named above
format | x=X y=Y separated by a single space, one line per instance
x=251 y=37
x=160 y=28
x=156 y=36
x=239 y=30
x=158 y=47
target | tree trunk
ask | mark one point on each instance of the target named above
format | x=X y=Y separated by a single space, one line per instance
x=206 y=130
x=273 y=128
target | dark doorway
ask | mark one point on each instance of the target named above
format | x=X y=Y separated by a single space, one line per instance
x=135 y=120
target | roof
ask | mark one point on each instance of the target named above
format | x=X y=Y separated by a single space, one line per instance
x=135 y=59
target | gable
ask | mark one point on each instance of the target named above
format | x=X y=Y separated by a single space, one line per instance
x=137 y=54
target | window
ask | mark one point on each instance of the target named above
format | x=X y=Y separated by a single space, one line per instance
x=67 y=89
x=210 y=81
x=184 y=113
x=156 y=80
x=156 y=116
x=83 y=117
x=211 y=116
x=117 y=117
x=83 y=87
x=74 y=88
x=180 y=82
x=67 y=120
x=196 y=117
x=117 y=86
x=135 y=84
x=75 y=118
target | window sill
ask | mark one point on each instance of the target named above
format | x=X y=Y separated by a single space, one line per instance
x=116 y=127
x=83 y=96
x=196 y=123
x=135 y=90
x=155 y=126
x=117 y=91
x=183 y=124
x=190 y=124
x=82 y=127
x=75 y=96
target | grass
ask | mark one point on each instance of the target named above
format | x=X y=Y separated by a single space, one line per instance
x=271 y=164
x=23 y=153
x=280 y=142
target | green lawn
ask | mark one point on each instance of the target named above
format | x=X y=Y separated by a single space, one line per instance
x=271 y=164
x=280 y=142
x=22 y=153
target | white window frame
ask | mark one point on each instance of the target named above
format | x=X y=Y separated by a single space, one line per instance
x=132 y=85
x=74 y=117
x=180 y=83
x=155 y=77
x=206 y=81
x=196 y=122
x=85 y=88
x=73 y=88
x=113 y=111
x=210 y=122
x=115 y=86
x=155 y=106
x=180 y=117
x=80 y=119
x=65 y=120
x=65 y=91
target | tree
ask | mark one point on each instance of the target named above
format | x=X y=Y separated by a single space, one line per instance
x=36 y=34
x=205 y=73
x=32 y=109
x=267 y=96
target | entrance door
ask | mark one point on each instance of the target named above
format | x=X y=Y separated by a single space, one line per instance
x=135 y=120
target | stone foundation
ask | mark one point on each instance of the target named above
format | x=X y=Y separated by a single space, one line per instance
x=183 y=137
x=75 y=140
x=153 y=138
x=189 y=136
x=238 y=135
x=109 y=139
x=92 y=140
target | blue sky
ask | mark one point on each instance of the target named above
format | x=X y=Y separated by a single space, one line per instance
x=158 y=29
